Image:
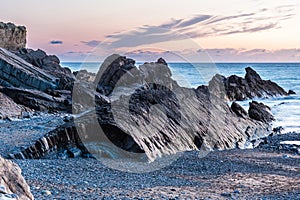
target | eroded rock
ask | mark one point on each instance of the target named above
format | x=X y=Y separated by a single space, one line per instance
x=12 y=37
x=12 y=184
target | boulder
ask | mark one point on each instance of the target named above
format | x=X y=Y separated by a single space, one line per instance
x=260 y=112
x=12 y=184
x=239 y=110
x=290 y=92
x=12 y=37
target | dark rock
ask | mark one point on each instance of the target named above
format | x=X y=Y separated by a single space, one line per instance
x=49 y=64
x=162 y=61
x=290 y=92
x=13 y=185
x=239 y=110
x=238 y=88
x=38 y=100
x=260 y=112
x=12 y=37
x=16 y=72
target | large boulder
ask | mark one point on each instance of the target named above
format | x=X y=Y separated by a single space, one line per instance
x=12 y=184
x=12 y=37
x=260 y=112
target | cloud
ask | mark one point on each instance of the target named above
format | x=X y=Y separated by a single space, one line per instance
x=56 y=42
x=91 y=43
x=201 y=26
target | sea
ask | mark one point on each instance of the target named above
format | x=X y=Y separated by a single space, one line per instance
x=285 y=109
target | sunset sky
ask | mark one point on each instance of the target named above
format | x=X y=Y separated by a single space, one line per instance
x=231 y=30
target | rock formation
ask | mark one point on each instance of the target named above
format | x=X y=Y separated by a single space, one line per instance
x=9 y=108
x=12 y=184
x=12 y=37
x=143 y=110
x=238 y=88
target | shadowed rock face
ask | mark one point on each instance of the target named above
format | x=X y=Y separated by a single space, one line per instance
x=12 y=37
x=238 y=88
x=12 y=184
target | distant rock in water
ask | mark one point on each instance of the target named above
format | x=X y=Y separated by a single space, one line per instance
x=12 y=184
x=238 y=88
x=12 y=37
x=290 y=92
x=260 y=112
x=143 y=110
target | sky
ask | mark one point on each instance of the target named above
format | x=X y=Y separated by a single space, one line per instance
x=193 y=30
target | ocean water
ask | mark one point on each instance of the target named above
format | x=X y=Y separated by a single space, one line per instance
x=285 y=109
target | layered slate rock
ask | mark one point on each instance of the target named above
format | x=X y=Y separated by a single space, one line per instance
x=16 y=72
x=52 y=101
x=143 y=110
x=49 y=64
x=12 y=184
x=238 y=88
x=12 y=37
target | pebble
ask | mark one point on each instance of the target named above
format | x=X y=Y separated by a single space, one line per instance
x=46 y=192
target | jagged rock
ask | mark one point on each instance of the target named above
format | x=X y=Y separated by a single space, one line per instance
x=12 y=184
x=238 y=88
x=142 y=110
x=290 y=92
x=16 y=72
x=49 y=64
x=239 y=110
x=8 y=108
x=40 y=101
x=260 y=112
x=12 y=37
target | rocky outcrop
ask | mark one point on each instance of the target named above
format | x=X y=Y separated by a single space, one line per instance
x=238 y=88
x=54 y=101
x=12 y=184
x=16 y=72
x=49 y=64
x=12 y=37
x=143 y=110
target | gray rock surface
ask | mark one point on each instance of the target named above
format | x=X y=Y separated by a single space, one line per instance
x=12 y=183
x=12 y=37
x=16 y=72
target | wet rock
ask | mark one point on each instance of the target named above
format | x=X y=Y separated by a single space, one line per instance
x=239 y=110
x=290 y=92
x=260 y=112
x=237 y=88
x=12 y=184
x=12 y=37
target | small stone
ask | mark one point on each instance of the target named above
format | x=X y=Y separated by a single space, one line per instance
x=46 y=192
x=237 y=192
x=3 y=189
x=285 y=156
x=226 y=195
